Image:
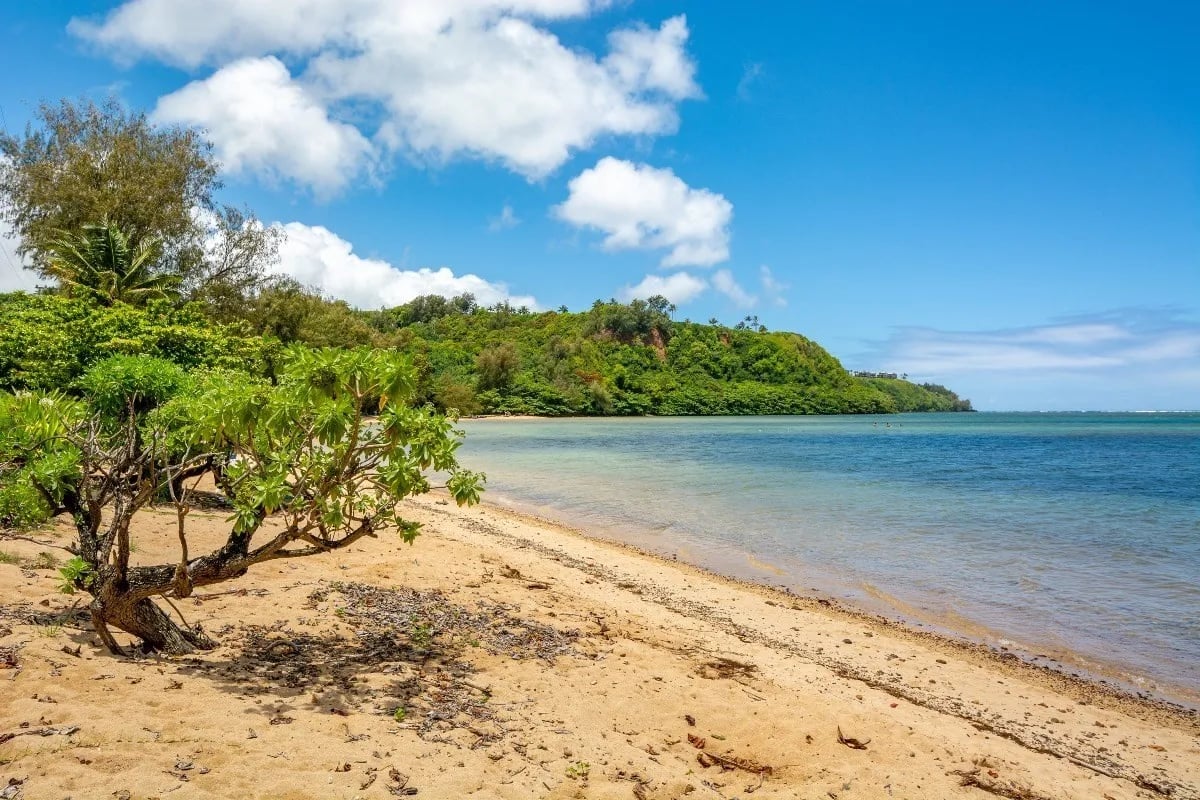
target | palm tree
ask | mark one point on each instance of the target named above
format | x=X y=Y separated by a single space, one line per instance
x=101 y=263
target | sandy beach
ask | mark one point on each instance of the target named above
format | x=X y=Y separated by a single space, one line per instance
x=504 y=656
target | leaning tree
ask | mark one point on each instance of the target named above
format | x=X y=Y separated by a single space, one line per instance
x=310 y=464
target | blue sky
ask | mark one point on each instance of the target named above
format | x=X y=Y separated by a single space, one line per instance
x=1002 y=197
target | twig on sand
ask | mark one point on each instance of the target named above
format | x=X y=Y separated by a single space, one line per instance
x=851 y=742
x=65 y=730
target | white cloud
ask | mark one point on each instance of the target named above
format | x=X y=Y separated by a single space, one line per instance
x=641 y=207
x=505 y=220
x=723 y=282
x=440 y=78
x=1127 y=340
x=655 y=59
x=316 y=256
x=262 y=121
x=679 y=288
x=13 y=275
x=772 y=287
x=1082 y=333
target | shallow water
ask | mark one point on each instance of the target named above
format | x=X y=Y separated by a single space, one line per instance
x=1076 y=536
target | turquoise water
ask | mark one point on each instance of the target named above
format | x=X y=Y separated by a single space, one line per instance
x=1073 y=537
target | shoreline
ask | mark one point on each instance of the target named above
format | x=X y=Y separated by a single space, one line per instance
x=1096 y=678
x=873 y=603
x=508 y=656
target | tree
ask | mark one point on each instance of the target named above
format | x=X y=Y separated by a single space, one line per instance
x=85 y=162
x=496 y=366
x=101 y=264
x=302 y=452
x=88 y=162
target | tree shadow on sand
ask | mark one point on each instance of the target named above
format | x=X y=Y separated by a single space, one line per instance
x=408 y=658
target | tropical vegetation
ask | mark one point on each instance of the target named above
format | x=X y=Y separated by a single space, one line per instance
x=165 y=358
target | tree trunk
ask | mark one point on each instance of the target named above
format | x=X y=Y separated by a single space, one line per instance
x=144 y=619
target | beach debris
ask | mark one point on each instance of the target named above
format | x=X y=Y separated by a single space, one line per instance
x=730 y=763
x=372 y=774
x=722 y=667
x=13 y=789
x=851 y=742
x=990 y=783
x=65 y=730
x=510 y=572
x=494 y=626
x=8 y=658
x=697 y=742
x=399 y=785
x=691 y=721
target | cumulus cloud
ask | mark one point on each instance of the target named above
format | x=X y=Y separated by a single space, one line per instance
x=723 y=282
x=642 y=207
x=13 y=275
x=318 y=257
x=439 y=78
x=679 y=288
x=264 y=122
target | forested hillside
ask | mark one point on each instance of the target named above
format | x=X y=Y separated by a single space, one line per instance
x=630 y=359
x=615 y=358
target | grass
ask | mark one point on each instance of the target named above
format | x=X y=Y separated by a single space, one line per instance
x=8 y=558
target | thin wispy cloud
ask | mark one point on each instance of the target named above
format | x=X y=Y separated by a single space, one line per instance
x=773 y=288
x=724 y=282
x=751 y=74
x=1094 y=360
x=1127 y=339
x=507 y=218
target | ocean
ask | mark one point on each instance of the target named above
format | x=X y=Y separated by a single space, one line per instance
x=1071 y=539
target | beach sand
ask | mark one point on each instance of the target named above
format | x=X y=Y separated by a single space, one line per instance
x=530 y=661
